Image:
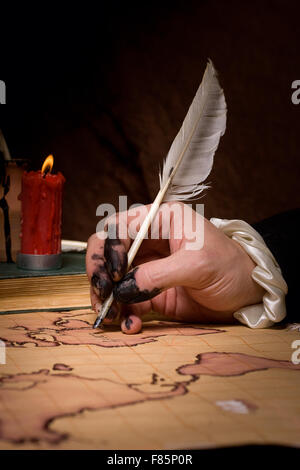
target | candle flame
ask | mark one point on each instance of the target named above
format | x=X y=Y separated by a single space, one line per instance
x=47 y=165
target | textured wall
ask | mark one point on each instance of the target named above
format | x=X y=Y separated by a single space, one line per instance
x=108 y=100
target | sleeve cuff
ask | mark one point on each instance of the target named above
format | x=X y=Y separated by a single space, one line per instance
x=267 y=274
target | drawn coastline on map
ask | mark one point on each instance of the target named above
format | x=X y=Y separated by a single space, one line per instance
x=63 y=329
x=33 y=424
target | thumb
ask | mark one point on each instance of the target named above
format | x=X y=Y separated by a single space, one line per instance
x=149 y=279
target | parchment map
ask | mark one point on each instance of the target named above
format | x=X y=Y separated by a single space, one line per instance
x=171 y=386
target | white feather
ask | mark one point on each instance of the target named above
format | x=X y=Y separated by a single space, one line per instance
x=190 y=158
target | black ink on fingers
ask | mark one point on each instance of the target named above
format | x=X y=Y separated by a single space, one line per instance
x=115 y=255
x=102 y=282
x=128 y=323
x=96 y=257
x=127 y=291
x=112 y=312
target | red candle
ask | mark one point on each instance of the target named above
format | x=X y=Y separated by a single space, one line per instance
x=41 y=199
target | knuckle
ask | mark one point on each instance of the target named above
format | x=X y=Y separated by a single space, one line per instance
x=150 y=277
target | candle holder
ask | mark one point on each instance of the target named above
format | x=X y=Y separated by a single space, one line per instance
x=39 y=262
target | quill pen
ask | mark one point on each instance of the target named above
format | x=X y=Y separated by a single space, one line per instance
x=190 y=158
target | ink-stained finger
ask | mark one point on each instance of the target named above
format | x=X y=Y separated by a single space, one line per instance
x=94 y=254
x=97 y=272
x=131 y=325
x=115 y=254
x=102 y=282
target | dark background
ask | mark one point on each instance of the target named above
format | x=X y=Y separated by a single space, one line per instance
x=106 y=88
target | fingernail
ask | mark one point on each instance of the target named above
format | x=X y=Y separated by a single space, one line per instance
x=128 y=323
x=98 y=308
x=96 y=291
x=103 y=284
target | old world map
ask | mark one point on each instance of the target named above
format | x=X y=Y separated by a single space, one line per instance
x=65 y=385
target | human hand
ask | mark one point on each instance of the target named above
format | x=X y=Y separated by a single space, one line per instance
x=203 y=285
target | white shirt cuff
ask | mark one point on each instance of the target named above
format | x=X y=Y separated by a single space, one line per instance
x=267 y=274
